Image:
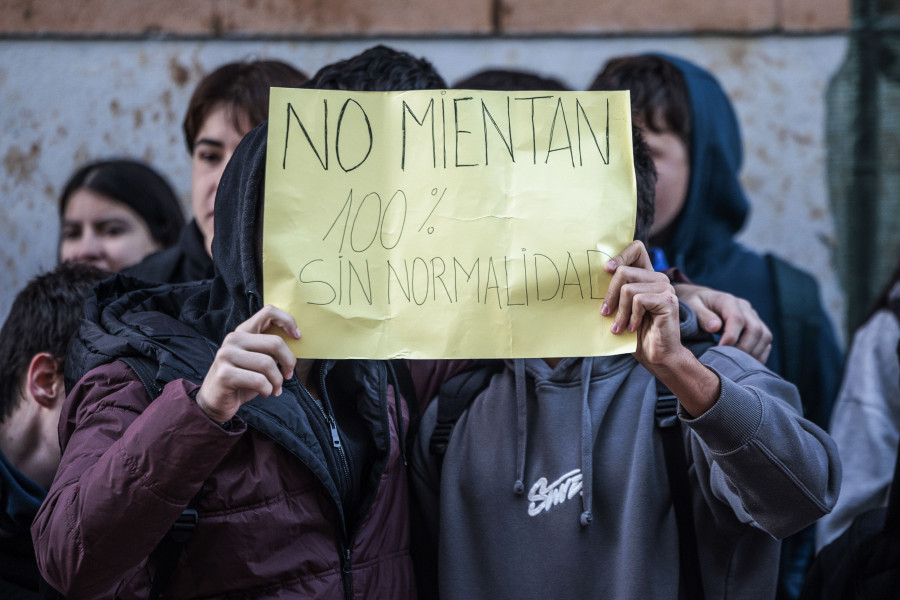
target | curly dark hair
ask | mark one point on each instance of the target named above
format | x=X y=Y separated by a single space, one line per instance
x=509 y=80
x=378 y=69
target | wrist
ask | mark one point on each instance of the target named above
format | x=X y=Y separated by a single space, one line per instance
x=217 y=416
x=669 y=364
x=696 y=386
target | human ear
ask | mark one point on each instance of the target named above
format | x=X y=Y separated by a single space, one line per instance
x=44 y=380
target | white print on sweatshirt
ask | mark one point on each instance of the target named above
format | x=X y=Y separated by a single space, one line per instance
x=543 y=496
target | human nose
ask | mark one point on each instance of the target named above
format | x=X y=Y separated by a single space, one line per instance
x=88 y=248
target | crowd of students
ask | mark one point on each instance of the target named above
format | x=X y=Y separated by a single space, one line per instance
x=155 y=442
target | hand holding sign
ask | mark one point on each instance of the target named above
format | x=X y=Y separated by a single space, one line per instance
x=447 y=224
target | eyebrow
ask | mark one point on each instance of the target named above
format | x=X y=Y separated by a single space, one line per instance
x=99 y=222
x=209 y=142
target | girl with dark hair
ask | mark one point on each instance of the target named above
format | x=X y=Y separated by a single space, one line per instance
x=113 y=213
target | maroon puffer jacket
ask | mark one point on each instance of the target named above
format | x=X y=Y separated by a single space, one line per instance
x=268 y=527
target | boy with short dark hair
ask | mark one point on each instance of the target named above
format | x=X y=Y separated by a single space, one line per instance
x=33 y=341
x=225 y=105
x=693 y=133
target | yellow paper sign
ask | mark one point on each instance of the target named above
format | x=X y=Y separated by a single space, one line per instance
x=447 y=223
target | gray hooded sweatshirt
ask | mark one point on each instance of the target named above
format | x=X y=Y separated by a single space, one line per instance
x=554 y=482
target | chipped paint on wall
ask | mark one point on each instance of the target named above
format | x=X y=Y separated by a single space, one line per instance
x=66 y=102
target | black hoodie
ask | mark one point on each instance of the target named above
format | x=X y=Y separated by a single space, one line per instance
x=185 y=261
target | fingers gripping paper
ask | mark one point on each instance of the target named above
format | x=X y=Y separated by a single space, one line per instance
x=447 y=223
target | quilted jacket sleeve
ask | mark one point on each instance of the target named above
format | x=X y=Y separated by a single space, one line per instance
x=129 y=468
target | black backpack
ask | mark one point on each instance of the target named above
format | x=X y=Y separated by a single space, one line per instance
x=457 y=393
x=864 y=561
x=797 y=318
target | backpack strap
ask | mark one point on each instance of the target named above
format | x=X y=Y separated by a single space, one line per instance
x=454 y=397
x=406 y=384
x=169 y=549
x=401 y=380
x=144 y=369
x=666 y=413
x=797 y=304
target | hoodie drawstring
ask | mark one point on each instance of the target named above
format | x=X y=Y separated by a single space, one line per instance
x=587 y=464
x=521 y=427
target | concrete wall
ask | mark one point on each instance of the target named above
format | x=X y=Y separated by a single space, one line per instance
x=410 y=17
x=84 y=80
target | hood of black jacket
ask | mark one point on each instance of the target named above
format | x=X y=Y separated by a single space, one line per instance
x=134 y=320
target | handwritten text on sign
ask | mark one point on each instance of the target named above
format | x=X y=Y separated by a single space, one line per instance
x=447 y=223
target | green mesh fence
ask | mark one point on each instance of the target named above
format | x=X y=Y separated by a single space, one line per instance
x=863 y=137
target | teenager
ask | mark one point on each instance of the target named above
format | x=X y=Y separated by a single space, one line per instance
x=43 y=316
x=225 y=105
x=113 y=213
x=701 y=206
x=554 y=479
x=695 y=140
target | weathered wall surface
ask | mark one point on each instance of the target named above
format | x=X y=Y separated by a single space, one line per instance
x=85 y=80
x=418 y=17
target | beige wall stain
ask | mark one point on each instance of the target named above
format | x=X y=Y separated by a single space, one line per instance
x=178 y=72
x=20 y=164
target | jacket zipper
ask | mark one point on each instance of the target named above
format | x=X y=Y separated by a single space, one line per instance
x=344 y=482
x=347 y=573
x=335 y=435
x=324 y=407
